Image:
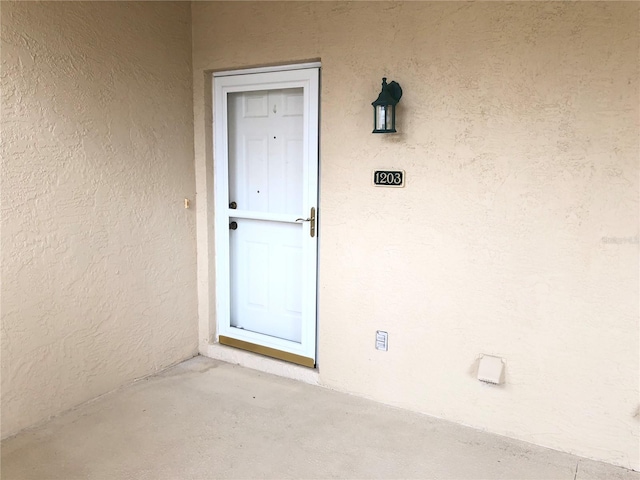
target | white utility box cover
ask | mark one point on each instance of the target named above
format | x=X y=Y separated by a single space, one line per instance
x=491 y=370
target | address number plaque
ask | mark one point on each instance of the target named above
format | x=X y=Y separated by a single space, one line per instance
x=388 y=178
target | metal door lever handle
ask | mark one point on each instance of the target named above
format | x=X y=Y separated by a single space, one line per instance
x=312 y=219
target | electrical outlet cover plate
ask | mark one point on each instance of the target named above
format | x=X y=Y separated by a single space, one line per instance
x=382 y=340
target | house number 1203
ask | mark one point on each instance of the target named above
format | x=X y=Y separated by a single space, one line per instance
x=388 y=178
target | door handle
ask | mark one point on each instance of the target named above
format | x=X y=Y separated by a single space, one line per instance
x=312 y=219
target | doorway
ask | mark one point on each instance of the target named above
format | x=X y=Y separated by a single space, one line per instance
x=266 y=204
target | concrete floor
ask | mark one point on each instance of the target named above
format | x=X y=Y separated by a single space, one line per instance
x=206 y=419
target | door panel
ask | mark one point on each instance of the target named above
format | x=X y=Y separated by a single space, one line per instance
x=265 y=175
x=266 y=278
x=265 y=151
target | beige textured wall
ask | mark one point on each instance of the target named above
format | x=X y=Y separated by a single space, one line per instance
x=98 y=253
x=516 y=234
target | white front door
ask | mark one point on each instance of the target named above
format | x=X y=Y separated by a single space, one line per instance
x=266 y=177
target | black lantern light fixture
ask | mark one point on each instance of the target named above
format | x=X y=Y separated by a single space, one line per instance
x=384 y=108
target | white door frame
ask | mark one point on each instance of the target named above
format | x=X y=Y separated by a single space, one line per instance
x=304 y=76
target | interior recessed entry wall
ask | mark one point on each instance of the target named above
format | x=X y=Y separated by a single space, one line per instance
x=98 y=251
x=516 y=233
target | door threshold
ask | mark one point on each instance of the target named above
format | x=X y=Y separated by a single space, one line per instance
x=268 y=351
x=255 y=361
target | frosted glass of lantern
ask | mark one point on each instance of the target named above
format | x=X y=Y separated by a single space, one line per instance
x=384 y=119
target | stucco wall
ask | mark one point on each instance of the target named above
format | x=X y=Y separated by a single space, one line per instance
x=98 y=252
x=516 y=234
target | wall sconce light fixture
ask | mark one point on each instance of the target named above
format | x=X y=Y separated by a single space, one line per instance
x=384 y=108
